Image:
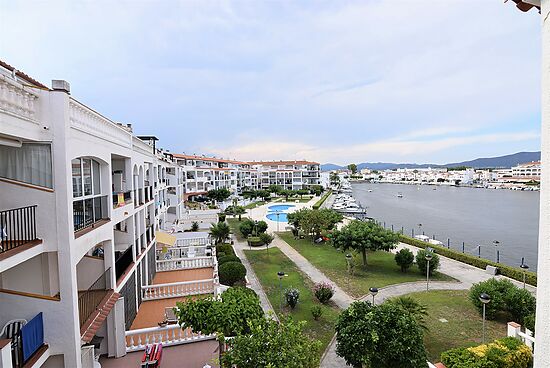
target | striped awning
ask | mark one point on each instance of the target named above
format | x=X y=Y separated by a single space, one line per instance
x=165 y=238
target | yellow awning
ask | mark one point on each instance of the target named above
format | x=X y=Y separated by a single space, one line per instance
x=165 y=238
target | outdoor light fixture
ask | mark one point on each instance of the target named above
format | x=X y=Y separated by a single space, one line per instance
x=485 y=299
x=373 y=291
x=280 y=275
x=525 y=268
x=428 y=257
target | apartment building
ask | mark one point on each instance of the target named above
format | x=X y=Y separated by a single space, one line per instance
x=205 y=173
x=82 y=202
x=529 y=170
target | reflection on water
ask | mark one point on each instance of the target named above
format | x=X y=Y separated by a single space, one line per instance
x=473 y=216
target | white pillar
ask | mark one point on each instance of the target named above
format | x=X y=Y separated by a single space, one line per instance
x=542 y=351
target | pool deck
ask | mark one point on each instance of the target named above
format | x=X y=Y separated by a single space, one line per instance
x=259 y=213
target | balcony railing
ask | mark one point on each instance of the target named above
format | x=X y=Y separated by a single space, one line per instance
x=122 y=198
x=169 y=335
x=86 y=212
x=184 y=263
x=123 y=261
x=89 y=299
x=177 y=289
x=17 y=227
x=184 y=252
x=148 y=193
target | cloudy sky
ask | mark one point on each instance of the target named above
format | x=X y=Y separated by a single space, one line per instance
x=332 y=81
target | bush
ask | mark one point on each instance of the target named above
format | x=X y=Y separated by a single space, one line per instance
x=504 y=353
x=221 y=217
x=231 y=273
x=320 y=202
x=316 y=312
x=194 y=226
x=292 y=295
x=423 y=264
x=520 y=303
x=404 y=259
x=224 y=250
x=266 y=238
x=511 y=272
x=323 y=291
x=247 y=227
x=254 y=241
x=496 y=289
x=529 y=322
x=225 y=259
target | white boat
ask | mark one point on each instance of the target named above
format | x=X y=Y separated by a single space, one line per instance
x=423 y=238
x=399 y=195
x=434 y=242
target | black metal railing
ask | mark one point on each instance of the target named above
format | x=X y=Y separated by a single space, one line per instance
x=86 y=212
x=123 y=261
x=140 y=196
x=89 y=300
x=17 y=227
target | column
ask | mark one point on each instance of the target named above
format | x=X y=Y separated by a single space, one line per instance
x=542 y=335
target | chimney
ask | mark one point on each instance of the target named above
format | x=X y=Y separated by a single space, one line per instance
x=61 y=85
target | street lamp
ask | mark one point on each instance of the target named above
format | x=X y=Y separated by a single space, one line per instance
x=280 y=275
x=428 y=257
x=348 y=262
x=420 y=229
x=485 y=299
x=373 y=291
x=496 y=244
x=256 y=228
x=277 y=214
x=525 y=268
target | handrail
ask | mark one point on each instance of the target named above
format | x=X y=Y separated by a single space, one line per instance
x=177 y=289
x=17 y=227
x=90 y=299
x=168 y=335
x=184 y=263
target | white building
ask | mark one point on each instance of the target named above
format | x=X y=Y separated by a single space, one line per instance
x=81 y=203
x=529 y=170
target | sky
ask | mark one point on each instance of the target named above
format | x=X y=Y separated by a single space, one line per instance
x=332 y=81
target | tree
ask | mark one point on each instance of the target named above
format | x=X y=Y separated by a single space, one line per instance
x=302 y=192
x=379 y=337
x=275 y=189
x=423 y=263
x=312 y=221
x=334 y=178
x=235 y=210
x=364 y=236
x=271 y=344
x=229 y=316
x=218 y=195
x=248 y=227
x=264 y=194
x=416 y=309
x=266 y=239
x=404 y=259
x=220 y=232
x=352 y=168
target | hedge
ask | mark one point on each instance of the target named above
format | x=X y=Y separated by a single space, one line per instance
x=505 y=270
x=254 y=241
x=318 y=204
x=231 y=273
x=224 y=259
x=226 y=249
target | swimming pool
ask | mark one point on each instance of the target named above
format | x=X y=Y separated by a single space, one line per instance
x=278 y=213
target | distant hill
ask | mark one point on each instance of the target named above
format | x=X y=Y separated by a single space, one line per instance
x=486 y=162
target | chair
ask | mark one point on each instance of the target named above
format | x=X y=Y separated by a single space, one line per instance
x=191 y=252
x=170 y=315
x=12 y=331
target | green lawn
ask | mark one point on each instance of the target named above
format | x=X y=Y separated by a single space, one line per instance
x=253 y=205
x=464 y=324
x=234 y=225
x=381 y=269
x=266 y=265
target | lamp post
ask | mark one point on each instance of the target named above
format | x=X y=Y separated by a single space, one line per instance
x=485 y=299
x=373 y=291
x=428 y=257
x=348 y=262
x=525 y=268
x=496 y=243
x=420 y=229
x=277 y=214
x=280 y=275
x=256 y=228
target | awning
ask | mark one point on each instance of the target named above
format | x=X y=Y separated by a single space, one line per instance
x=166 y=239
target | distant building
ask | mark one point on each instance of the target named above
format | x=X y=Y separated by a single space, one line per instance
x=529 y=170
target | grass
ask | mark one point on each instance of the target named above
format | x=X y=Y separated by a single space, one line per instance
x=464 y=324
x=234 y=223
x=266 y=265
x=253 y=205
x=381 y=269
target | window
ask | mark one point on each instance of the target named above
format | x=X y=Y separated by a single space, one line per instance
x=31 y=163
x=89 y=206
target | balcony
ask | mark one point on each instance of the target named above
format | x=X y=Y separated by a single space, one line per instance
x=123 y=260
x=89 y=212
x=148 y=194
x=18 y=228
x=121 y=199
x=26 y=345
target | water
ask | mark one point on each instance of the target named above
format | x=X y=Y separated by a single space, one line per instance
x=276 y=212
x=475 y=216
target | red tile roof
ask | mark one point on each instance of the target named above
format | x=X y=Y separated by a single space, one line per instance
x=524 y=6
x=203 y=158
x=281 y=162
x=22 y=75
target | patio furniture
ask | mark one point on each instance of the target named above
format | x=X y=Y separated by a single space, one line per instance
x=12 y=331
x=170 y=315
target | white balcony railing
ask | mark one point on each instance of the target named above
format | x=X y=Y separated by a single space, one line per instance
x=177 y=289
x=183 y=252
x=17 y=99
x=169 y=335
x=184 y=263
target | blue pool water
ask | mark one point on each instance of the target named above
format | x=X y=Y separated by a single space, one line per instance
x=279 y=209
x=273 y=217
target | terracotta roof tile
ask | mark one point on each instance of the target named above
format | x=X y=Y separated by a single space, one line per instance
x=22 y=75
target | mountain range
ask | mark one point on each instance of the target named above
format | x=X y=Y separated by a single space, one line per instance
x=485 y=162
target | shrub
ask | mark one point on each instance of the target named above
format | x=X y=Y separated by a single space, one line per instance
x=225 y=259
x=504 y=353
x=323 y=291
x=194 y=226
x=511 y=272
x=520 y=303
x=322 y=200
x=423 y=264
x=529 y=322
x=247 y=227
x=404 y=259
x=414 y=308
x=231 y=273
x=496 y=289
x=266 y=238
x=316 y=312
x=221 y=217
x=224 y=250
x=292 y=295
x=254 y=241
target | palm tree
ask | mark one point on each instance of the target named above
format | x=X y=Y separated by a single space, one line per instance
x=417 y=310
x=220 y=232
